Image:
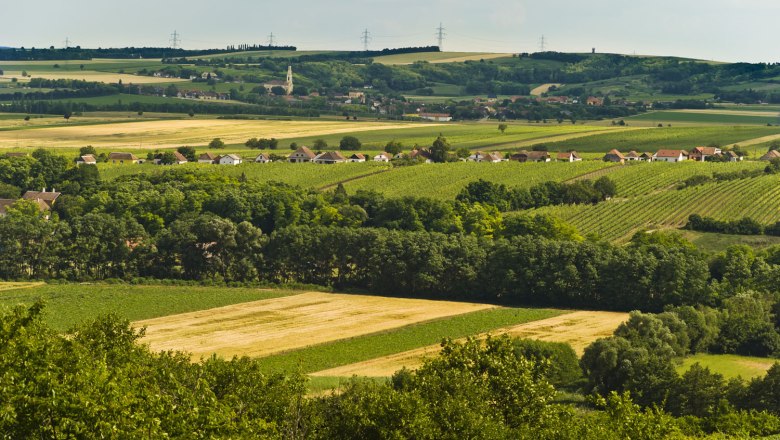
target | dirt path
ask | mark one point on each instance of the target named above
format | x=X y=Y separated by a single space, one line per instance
x=265 y=327
x=756 y=141
x=578 y=329
x=544 y=88
x=331 y=186
x=557 y=138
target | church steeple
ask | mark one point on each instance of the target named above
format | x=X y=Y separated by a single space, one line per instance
x=289 y=80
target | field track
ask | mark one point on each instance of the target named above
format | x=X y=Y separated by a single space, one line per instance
x=14 y=285
x=544 y=88
x=578 y=329
x=266 y=327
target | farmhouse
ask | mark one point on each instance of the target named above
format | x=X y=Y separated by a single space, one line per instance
x=178 y=158
x=571 y=156
x=382 y=157
x=262 y=158
x=357 y=157
x=287 y=85
x=86 y=159
x=531 y=156
x=43 y=206
x=423 y=155
x=436 y=117
x=207 y=158
x=646 y=157
x=485 y=157
x=330 y=158
x=302 y=154
x=46 y=197
x=670 y=156
x=632 y=155
x=614 y=156
x=122 y=158
x=230 y=159
x=701 y=154
x=593 y=101
x=773 y=154
x=732 y=156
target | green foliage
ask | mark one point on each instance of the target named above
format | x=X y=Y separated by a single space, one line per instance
x=216 y=144
x=349 y=143
x=540 y=225
x=563 y=367
x=188 y=152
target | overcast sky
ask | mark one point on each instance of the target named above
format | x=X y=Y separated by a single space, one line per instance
x=724 y=30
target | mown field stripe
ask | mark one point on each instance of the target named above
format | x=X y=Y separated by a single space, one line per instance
x=362 y=348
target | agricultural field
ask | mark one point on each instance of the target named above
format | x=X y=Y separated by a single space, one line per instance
x=578 y=329
x=730 y=366
x=712 y=242
x=71 y=304
x=262 y=328
x=438 y=57
x=728 y=117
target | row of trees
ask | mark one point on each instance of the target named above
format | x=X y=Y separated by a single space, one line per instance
x=743 y=226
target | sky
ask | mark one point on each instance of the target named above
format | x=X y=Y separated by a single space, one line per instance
x=721 y=30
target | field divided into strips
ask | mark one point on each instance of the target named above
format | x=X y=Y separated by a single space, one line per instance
x=652 y=139
x=71 y=304
x=262 y=328
x=445 y=181
x=578 y=329
x=710 y=117
x=619 y=218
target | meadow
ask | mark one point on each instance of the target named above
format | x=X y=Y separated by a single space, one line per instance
x=729 y=365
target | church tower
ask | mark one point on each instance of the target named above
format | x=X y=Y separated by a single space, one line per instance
x=289 y=87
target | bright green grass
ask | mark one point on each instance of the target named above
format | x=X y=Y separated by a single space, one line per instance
x=361 y=348
x=323 y=385
x=667 y=137
x=711 y=242
x=706 y=118
x=71 y=304
x=408 y=58
x=447 y=180
x=729 y=365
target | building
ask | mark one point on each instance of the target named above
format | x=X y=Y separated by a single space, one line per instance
x=486 y=157
x=287 y=85
x=531 y=156
x=178 y=158
x=732 y=156
x=614 y=156
x=632 y=156
x=43 y=196
x=262 y=158
x=673 y=156
x=571 y=156
x=207 y=158
x=86 y=159
x=701 y=154
x=593 y=101
x=383 y=157
x=772 y=154
x=422 y=155
x=122 y=158
x=329 y=158
x=436 y=117
x=357 y=157
x=230 y=159
x=301 y=155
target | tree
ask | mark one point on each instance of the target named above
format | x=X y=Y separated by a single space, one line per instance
x=394 y=147
x=502 y=128
x=216 y=144
x=319 y=144
x=293 y=146
x=440 y=149
x=349 y=143
x=67 y=116
x=278 y=91
x=188 y=152
x=89 y=149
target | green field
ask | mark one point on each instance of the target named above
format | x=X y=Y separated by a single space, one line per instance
x=71 y=304
x=361 y=348
x=730 y=366
x=713 y=117
x=711 y=242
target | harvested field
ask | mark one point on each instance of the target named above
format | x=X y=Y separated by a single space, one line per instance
x=91 y=75
x=169 y=134
x=578 y=329
x=544 y=88
x=265 y=327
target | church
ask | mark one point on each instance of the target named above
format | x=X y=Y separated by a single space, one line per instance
x=286 y=85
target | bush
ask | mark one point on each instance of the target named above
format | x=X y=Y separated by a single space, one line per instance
x=564 y=367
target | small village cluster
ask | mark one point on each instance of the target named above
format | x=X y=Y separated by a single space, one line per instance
x=306 y=155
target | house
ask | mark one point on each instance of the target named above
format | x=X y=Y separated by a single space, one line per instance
x=262 y=158
x=15 y=154
x=670 y=156
x=330 y=158
x=571 y=156
x=357 y=96
x=207 y=158
x=357 y=157
x=531 y=156
x=4 y=204
x=632 y=156
x=701 y=154
x=593 y=101
x=423 y=155
x=614 y=156
x=436 y=117
x=732 y=156
x=42 y=197
x=382 y=157
x=43 y=206
x=230 y=159
x=646 y=157
x=483 y=157
x=772 y=154
x=302 y=154
x=178 y=158
x=122 y=158
x=86 y=159
x=208 y=75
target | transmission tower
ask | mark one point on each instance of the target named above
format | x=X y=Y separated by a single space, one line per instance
x=175 y=40
x=365 y=38
x=542 y=44
x=67 y=42
x=440 y=34
x=271 y=40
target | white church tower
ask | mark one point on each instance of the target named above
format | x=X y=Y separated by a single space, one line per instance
x=289 y=85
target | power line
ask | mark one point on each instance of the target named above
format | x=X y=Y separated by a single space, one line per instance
x=542 y=44
x=271 y=40
x=440 y=34
x=175 y=40
x=365 y=38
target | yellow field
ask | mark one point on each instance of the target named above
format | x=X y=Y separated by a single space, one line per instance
x=266 y=327
x=438 y=57
x=20 y=285
x=544 y=88
x=90 y=75
x=578 y=329
x=168 y=134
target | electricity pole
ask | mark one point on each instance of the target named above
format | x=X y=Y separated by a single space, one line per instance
x=175 y=39
x=440 y=35
x=271 y=40
x=365 y=38
x=67 y=42
x=542 y=44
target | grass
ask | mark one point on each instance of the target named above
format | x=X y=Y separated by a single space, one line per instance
x=713 y=117
x=348 y=351
x=438 y=57
x=71 y=304
x=711 y=242
x=729 y=365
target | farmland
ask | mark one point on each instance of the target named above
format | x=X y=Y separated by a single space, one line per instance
x=730 y=366
x=438 y=57
x=725 y=117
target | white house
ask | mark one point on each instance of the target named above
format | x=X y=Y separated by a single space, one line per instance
x=87 y=159
x=571 y=156
x=382 y=157
x=330 y=157
x=207 y=158
x=357 y=157
x=230 y=159
x=262 y=158
x=670 y=156
x=302 y=154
